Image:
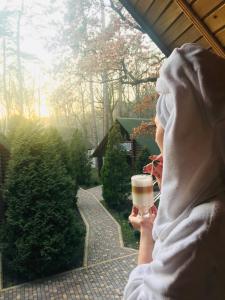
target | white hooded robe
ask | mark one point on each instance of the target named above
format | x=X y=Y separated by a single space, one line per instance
x=189 y=230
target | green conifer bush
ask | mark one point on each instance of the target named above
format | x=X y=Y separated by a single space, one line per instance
x=142 y=160
x=115 y=173
x=79 y=161
x=41 y=235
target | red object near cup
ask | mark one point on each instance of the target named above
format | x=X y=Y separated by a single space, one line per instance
x=155 y=167
x=154 y=210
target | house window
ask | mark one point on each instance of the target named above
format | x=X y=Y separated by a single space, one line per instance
x=127 y=146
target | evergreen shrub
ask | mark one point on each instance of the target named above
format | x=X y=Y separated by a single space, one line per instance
x=80 y=163
x=142 y=160
x=115 y=172
x=40 y=234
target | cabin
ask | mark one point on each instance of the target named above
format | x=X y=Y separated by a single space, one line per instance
x=133 y=146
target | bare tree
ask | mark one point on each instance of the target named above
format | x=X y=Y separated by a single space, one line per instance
x=4 y=78
x=95 y=134
x=104 y=76
x=19 y=64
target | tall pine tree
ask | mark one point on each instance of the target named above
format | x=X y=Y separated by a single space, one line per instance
x=79 y=161
x=142 y=160
x=115 y=172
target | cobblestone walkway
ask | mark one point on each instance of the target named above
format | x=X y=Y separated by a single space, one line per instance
x=104 y=241
x=96 y=192
x=108 y=262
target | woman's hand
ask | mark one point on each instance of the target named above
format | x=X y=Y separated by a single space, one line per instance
x=140 y=223
x=145 y=226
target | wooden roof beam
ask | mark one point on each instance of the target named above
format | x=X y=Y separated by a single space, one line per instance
x=202 y=28
x=145 y=25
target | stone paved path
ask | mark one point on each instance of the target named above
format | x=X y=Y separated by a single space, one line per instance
x=108 y=262
x=96 y=192
x=104 y=241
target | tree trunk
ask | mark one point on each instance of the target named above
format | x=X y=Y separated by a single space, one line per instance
x=120 y=97
x=137 y=96
x=106 y=104
x=95 y=134
x=112 y=105
x=11 y=93
x=137 y=92
x=84 y=123
x=19 y=64
x=105 y=95
x=5 y=96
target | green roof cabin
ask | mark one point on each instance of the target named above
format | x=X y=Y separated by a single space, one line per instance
x=134 y=146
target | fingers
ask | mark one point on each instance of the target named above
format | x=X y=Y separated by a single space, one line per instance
x=153 y=210
x=134 y=211
x=135 y=222
x=133 y=219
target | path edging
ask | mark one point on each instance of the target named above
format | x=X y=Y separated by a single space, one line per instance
x=85 y=259
x=64 y=273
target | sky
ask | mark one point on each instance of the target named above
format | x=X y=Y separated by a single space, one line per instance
x=39 y=26
x=36 y=32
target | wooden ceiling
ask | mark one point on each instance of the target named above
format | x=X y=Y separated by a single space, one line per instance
x=171 y=23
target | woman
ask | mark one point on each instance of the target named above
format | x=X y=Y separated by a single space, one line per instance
x=182 y=250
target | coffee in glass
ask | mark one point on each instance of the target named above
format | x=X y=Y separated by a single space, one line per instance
x=142 y=193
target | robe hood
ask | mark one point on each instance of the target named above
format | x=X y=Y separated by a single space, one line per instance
x=191 y=109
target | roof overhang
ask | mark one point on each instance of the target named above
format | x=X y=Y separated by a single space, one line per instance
x=171 y=23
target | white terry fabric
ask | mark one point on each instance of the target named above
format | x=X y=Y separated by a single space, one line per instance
x=191 y=108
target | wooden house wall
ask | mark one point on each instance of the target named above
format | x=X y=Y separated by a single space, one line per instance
x=137 y=150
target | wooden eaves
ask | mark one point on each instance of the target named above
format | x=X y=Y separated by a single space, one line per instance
x=171 y=23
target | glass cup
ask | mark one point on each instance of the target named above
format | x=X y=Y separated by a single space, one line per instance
x=142 y=193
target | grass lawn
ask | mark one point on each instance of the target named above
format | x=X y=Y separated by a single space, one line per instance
x=130 y=236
